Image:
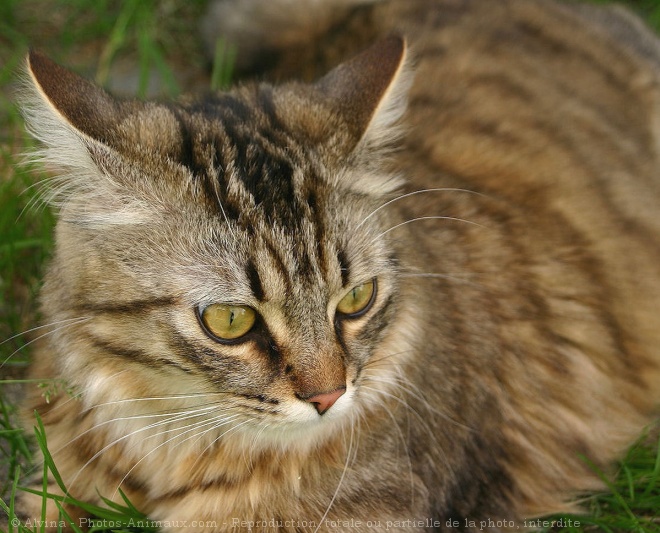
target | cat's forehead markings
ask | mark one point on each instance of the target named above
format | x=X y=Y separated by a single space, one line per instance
x=268 y=108
x=187 y=155
x=231 y=151
x=256 y=286
x=344 y=267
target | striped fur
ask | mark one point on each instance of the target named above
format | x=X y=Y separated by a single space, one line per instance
x=509 y=215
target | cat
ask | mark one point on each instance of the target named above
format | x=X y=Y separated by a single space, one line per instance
x=409 y=284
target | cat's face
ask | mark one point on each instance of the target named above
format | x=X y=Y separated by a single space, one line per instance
x=271 y=296
x=230 y=249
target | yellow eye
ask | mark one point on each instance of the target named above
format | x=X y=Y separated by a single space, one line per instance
x=358 y=300
x=227 y=322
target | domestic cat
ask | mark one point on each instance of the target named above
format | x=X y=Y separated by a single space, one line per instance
x=419 y=293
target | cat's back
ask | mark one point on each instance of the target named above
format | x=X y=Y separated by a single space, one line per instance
x=536 y=96
x=553 y=110
x=549 y=110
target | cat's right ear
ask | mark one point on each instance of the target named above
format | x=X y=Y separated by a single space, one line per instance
x=78 y=103
x=78 y=126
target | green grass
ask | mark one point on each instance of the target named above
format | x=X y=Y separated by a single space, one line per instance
x=94 y=36
x=631 y=504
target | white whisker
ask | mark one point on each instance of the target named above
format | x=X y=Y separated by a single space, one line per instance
x=203 y=433
x=434 y=217
x=253 y=445
x=395 y=424
x=341 y=481
x=421 y=419
x=454 y=278
x=40 y=327
x=411 y=392
x=173 y=418
x=157 y=398
x=217 y=195
x=140 y=430
x=407 y=195
x=64 y=326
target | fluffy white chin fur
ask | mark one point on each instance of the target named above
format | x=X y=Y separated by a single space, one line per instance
x=301 y=428
x=190 y=423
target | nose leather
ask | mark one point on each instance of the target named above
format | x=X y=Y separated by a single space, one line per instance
x=324 y=401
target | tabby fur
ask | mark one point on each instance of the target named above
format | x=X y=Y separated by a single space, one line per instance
x=496 y=171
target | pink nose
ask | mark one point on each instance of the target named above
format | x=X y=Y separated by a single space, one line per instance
x=326 y=400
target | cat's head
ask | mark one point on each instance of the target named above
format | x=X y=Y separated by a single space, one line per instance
x=229 y=248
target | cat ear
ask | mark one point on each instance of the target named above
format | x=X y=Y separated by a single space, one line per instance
x=369 y=93
x=77 y=102
x=75 y=121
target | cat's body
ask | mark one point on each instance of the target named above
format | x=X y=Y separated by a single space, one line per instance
x=513 y=326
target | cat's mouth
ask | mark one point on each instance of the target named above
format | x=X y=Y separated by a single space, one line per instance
x=301 y=424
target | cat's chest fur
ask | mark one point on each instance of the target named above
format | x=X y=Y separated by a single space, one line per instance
x=197 y=481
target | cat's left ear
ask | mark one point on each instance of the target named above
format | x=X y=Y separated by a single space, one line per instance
x=369 y=93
